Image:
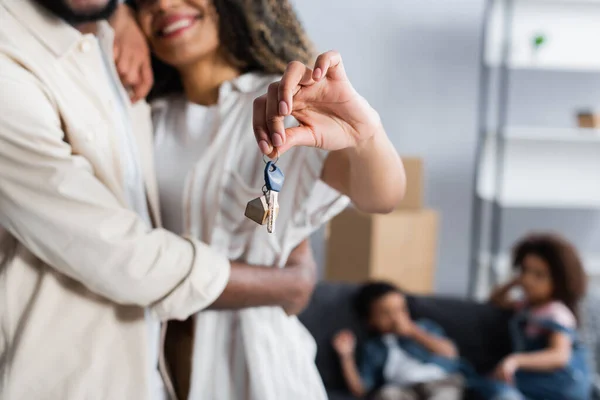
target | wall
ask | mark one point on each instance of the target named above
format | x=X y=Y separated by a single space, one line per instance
x=417 y=61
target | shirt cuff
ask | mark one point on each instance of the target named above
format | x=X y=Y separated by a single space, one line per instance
x=205 y=282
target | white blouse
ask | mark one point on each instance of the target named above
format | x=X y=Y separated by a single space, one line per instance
x=209 y=167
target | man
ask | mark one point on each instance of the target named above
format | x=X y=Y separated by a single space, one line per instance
x=84 y=277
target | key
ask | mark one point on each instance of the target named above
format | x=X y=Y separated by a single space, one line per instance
x=264 y=209
x=273 y=210
x=274 y=179
x=257 y=210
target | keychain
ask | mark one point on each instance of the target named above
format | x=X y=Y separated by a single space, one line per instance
x=264 y=209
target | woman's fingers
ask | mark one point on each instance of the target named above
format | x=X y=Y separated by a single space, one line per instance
x=298 y=136
x=329 y=64
x=275 y=123
x=259 y=125
x=295 y=76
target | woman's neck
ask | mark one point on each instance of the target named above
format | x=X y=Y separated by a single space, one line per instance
x=202 y=79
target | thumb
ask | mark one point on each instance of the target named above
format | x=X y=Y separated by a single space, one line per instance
x=298 y=136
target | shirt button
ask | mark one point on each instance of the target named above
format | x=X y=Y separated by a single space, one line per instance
x=85 y=46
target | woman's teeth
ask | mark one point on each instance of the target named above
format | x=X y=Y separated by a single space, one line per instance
x=175 y=26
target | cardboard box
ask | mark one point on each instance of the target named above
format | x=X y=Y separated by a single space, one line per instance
x=589 y=120
x=399 y=247
x=413 y=199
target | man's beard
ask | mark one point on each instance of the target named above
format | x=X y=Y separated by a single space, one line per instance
x=62 y=10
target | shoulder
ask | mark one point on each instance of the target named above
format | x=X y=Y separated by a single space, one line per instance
x=24 y=96
x=557 y=312
x=254 y=84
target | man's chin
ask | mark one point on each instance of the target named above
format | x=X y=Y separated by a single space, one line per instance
x=81 y=11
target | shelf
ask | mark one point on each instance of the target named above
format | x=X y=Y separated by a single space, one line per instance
x=543 y=168
x=540 y=133
x=570 y=28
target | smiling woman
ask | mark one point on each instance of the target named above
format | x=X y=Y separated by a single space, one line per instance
x=262 y=36
x=214 y=62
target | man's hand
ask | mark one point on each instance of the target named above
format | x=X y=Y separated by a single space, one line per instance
x=302 y=265
x=132 y=55
x=344 y=343
x=332 y=115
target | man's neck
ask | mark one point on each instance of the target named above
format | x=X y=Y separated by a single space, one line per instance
x=88 y=27
x=202 y=79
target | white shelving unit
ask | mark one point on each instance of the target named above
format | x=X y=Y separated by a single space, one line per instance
x=529 y=166
x=571 y=29
x=543 y=168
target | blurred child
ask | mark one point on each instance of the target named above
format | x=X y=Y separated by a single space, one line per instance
x=403 y=359
x=548 y=361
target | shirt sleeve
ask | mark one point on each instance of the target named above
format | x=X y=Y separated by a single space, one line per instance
x=367 y=367
x=54 y=205
x=314 y=202
x=431 y=327
x=555 y=314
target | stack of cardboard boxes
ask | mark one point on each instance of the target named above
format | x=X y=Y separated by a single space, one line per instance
x=399 y=247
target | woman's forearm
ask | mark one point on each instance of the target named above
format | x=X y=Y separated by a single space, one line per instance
x=371 y=174
x=351 y=376
x=256 y=286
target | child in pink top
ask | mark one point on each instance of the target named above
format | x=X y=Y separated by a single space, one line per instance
x=548 y=362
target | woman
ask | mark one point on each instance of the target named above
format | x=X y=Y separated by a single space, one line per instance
x=216 y=58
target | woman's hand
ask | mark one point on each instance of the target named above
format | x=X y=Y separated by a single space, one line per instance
x=344 y=343
x=505 y=371
x=132 y=55
x=331 y=114
x=363 y=163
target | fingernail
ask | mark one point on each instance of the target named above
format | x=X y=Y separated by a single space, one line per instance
x=283 y=108
x=264 y=147
x=317 y=73
x=277 y=140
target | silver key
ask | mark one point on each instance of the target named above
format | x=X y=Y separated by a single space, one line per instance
x=272 y=201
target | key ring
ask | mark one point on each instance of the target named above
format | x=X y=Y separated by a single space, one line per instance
x=268 y=159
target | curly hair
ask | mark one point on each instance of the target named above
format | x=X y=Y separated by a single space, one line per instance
x=566 y=269
x=255 y=35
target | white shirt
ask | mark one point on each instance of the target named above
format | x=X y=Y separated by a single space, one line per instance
x=136 y=198
x=178 y=150
x=403 y=370
x=209 y=166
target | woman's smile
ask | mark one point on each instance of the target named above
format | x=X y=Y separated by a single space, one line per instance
x=172 y=26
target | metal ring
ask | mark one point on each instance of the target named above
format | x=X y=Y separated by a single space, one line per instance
x=269 y=159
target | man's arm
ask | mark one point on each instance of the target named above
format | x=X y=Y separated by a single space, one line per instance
x=289 y=287
x=53 y=204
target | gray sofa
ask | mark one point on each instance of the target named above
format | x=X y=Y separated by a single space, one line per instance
x=479 y=330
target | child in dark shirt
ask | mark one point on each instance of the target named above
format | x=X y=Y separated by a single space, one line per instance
x=403 y=359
